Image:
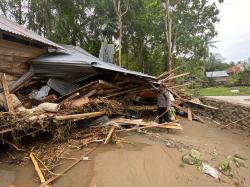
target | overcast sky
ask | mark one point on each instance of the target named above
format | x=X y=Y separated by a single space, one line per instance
x=234 y=30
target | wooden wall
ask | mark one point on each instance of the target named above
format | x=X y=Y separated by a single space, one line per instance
x=13 y=57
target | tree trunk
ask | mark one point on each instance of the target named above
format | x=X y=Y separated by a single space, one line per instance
x=120 y=41
x=120 y=13
x=168 y=32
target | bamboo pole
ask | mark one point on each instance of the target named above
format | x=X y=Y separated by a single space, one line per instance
x=37 y=168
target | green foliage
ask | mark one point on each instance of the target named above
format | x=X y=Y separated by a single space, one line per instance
x=225 y=166
x=88 y=22
x=223 y=91
x=214 y=62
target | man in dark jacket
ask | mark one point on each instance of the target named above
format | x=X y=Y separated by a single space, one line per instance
x=163 y=103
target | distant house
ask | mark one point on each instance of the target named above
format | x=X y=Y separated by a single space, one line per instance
x=235 y=69
x=220 y=77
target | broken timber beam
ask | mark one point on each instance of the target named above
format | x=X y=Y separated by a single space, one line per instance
x=167 y=73
x=23 y=80
x=190 y=118
x=165 y=125
x=80 y=116
x=149 y=124
x=7 y=95
x=109 y=135
x=142 y=108
x=177 y=76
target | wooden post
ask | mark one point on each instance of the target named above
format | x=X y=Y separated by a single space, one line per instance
x=190 y=118
x=7 y=95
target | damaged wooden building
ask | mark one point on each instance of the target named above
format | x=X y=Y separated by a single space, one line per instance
x=17 y=46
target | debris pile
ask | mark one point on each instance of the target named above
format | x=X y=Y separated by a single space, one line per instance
x=55 y=106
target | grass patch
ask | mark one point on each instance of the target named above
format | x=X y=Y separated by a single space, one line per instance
x=223 y=91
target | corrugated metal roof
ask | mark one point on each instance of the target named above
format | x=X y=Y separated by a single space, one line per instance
x=217 y=74
x=75 y=64
x=14 y=28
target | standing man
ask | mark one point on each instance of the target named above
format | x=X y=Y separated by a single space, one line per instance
x=163 y=103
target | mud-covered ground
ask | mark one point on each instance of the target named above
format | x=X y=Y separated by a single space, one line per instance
x=147 y=160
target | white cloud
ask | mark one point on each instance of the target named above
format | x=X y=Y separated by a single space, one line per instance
x=234 y=30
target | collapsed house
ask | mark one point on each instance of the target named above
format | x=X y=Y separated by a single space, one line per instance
x=64 y=92
x=46 y=83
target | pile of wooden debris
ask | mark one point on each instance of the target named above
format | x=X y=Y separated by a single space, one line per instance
x=121 y=104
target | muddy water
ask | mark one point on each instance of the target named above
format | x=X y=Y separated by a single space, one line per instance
x=142 y=163
x=13 y=175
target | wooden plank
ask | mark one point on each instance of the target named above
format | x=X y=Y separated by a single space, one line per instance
x=168 y=73
x=142 y=108
x=190 y=118
x=121 y=92
x=198 y=118
x=80 y=90
x=109 y=135
x=199 y=104
x=165 y=125
x=179 y=107
x=69 y=98
x=108 y=84
x=177 y=76
x=37 y=168
x=7 y=95
x=122 y=82
x=20 y=50
x=139 y=122
x=24 y=79
x=163 y=80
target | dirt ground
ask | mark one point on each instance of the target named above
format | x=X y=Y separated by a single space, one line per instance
x=147 y=161
x=241 y=100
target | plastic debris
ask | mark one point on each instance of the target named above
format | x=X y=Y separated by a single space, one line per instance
x=209 y=170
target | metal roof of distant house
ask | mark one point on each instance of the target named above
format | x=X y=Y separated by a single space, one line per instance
x=214 y=74
x=16 y=29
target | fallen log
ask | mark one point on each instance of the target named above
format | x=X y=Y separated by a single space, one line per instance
x=80 y=116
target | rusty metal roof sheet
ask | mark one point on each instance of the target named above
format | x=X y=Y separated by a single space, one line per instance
x=16 y=29
x=75 y=64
